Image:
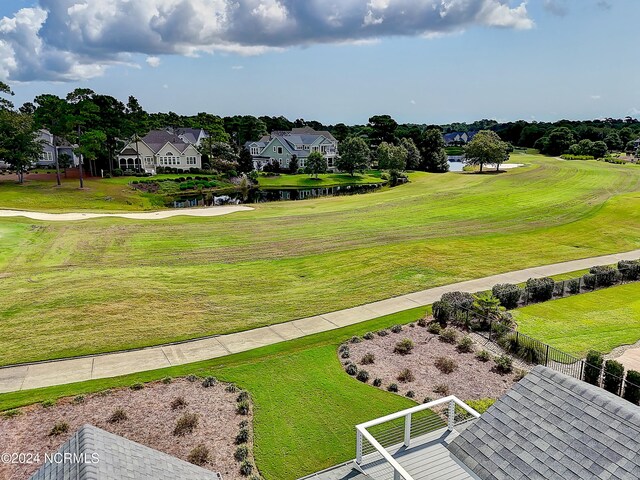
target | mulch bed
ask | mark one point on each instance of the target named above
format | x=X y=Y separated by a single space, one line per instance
x=150 y=422
x=472 y=380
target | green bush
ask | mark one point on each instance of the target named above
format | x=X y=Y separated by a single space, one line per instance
x=504 y=364
x=137 y=386
x=355 y=339
x=363 y=376
x=199 y=455
x=632 y=387
x=423 y=322
x=118 y=416
x=405 y=376
x=404 y=346
x=351 y=369
x=607 y=275
x=508 y=294
x=242 y=436
x=483 y=356
x=435 y=328
x=593 y=367
x=242 y=408
x=540 y=289
x=377 y=382
x=246 y=468
x=242 y=396
x=442 y=312
x=368 y=359
x=446 y=365
x=368 y=336
x=630 y=270
x=59 y=428
x=589 y=280
x=393 y=387
x=441 y=389
x=396 y=329
x=465 y=345
x=241 y=453
x=209 y=382
x=573 y=286
x=187 y=423
x=410 y=394
x=117 y=172
x=449 y=335
x=167 y=380
x=568 y=156
x=531 y=352
x=382 y=333
x=613 y=375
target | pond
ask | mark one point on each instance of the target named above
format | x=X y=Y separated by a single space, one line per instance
x=260 y=195
x=455 y=166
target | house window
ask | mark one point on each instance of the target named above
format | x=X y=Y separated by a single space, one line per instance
x=330 y=162
x=280 y=150
x=255 y=150
x=191 y=161
x=46 y=157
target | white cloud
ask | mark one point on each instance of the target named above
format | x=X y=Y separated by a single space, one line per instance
x=77 y=39
x=237 y=67
x=412 y=102
x=153 y=62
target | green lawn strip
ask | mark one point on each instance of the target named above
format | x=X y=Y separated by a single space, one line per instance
x=305 y=405
x=600 y=320
x=323 y=180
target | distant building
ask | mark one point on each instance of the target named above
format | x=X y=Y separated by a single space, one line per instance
x=163 y=148
x=458 y=138
x=49 y=147
x=280 y=147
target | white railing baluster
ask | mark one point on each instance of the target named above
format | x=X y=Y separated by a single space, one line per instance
x=358 y=447
x=407 y=430
x=452 y=416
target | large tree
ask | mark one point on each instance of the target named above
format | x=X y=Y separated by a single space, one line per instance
x=391 y=157
x=486 y=147
x=413 y=154
x=316 y=164
x=558 y=141
x=434 y=156
x=354 y=155
x=53 y=113
x=383 y=129
x=19 y=143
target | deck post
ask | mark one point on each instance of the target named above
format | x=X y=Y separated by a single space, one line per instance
x=452 y=416
x=407 y=430
x=396 y=475
x=358 y=447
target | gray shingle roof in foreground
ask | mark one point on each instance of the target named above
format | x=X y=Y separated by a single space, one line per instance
x=551 y=426
x=118 y=459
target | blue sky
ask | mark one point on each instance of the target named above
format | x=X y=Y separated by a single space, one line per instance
x=542 y=59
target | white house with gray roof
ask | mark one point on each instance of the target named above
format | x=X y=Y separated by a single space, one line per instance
x=280 y=147
x=162 y=148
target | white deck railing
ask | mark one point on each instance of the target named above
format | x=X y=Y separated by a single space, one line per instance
x=400 y=473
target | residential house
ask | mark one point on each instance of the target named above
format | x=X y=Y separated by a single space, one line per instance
x=458 y=138
x=548 y=426
x=163 y=148
x=49 y=146
x=280 y=147
x=92 y=453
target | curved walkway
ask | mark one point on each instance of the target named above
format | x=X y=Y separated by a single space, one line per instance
x=159 y=215
x=24 y=377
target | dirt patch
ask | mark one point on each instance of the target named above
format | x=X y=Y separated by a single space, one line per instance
x=150 y=420
x=471 y=378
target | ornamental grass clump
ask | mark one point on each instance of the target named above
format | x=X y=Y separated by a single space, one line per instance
x=404 y=346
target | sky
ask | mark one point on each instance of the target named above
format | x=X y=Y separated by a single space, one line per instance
x=421 y=61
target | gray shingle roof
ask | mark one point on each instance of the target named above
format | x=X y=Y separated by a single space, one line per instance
x=156 y=139
x=549 y=426
x=119 y=459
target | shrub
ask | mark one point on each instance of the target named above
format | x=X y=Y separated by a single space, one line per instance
x=460 y=302
x=185 y=424
x=345 y=352
x=446 y=365
x=137 y=386
x=246 y=468
x=192 y=378
x=392 y=387
x=241 y=453
x=520 y=374
x=441 y=312
x=368 y=336
x=199 y=455
x=231 y=388
x=243 y=424
x=530 y=351
x=422 y=322
x=209 y=382
x=441 y=389
x=481 y=405
x=242 y=396
x=242 y=408
x=410 y=394
x=368 y=359
x=405 y=376
x=435 y=328
x=59 y=428
x=483 y=356
x=540 y=289
x=377 y=382
x=404 y=346
x=593 y=367
x=508 y=294
x=573 y=286
x=605 y=274
x=351 y=369
x=178 y=403
x=242 y=436
x=47 y=403
x=465 y=345
x=449 y=335
x=630 y=270
x=78 y=399
x=613 y=374
x=118 y=415
x=363 y=376
x=167 y=380
x=14 y=412
x=632 y=387
x=355 y=339
x=382 y=333
x=396 y=328
x=504 y=364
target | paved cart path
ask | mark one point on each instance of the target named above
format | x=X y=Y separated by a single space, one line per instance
x=189 y=212
x=24 y=377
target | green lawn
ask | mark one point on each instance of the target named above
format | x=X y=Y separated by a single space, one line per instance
x=600 y=320
x=106 y=284
x=323 y=180
x=305 y=406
